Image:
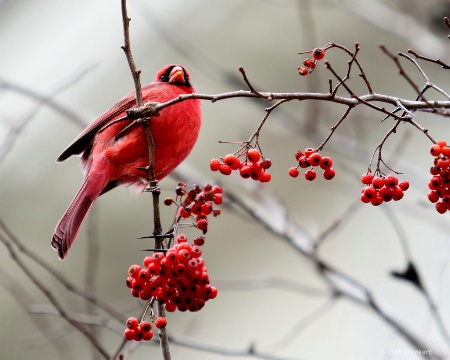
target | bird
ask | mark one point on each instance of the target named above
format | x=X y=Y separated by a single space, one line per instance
x=114 y=153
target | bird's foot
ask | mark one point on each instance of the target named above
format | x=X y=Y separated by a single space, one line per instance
x=153 y=188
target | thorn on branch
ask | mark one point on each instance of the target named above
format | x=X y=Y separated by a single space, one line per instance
x=158 y=236
x=409 y=274
x=144 y=168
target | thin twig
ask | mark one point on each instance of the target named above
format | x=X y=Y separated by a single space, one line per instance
x=58 y=276
x=436 y=61
x=127 y=49
x=52 y=298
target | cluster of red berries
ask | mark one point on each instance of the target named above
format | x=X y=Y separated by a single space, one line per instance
x=142 y=330
x=310 y=63
x=179 y=279
x=439 y=183
x=310 y=158
x=382 y=188
x=254 y=166
x=198 y=202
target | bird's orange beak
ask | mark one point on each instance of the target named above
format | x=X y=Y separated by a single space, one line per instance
x=177 y=75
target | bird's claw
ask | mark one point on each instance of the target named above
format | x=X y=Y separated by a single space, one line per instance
x=153 y=189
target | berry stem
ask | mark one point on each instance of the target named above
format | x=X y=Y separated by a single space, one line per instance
x=379 y=149
x=333 y=128
x=261 y=124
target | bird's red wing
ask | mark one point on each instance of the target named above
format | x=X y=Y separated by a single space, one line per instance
x=86 y=137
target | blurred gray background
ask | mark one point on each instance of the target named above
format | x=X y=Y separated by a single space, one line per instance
x=61 y=66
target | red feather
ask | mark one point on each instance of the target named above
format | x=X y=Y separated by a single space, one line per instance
x=109 y=162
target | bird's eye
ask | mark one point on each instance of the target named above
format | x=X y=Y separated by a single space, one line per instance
x=164 y=78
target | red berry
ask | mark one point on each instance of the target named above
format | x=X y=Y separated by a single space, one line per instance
x=154 y=268
x=441 y=143
x=265 y=176
x=134 y=270
x=445 y=151
x=170 y=306
x=232 y=161
x=129 y=334
x=265 y=164
x=199 y=240
x=298 y=155
x=364 y=198
x=433 y=196
x=318 y=53
x=213 y=292
x=370 y=192
x=214 y=164
x=196 y=251
x=245 y=172
x=144 y=274
x=397 y=193
x=202 y=224
x=225 y=169
x=158 y=256
x=132 y=323
x=435 y=170
x=302 y=71
x=309 y=151
x=256 y=170
x=435 y=150
x=441 y=207
x=216 y=189
x=329 y=174
x=161 y=322
x=314 y=159
x=196 y=208
x=138 y=335
x=145 y=326
x=293 y=172
x=378 y=182
x=181 y=238
x=326 y=162
x=303 y=162
x=208 y=188
x=310 y=175
x=309 y=63
x=443 y=163
x=377 y=200
x=435 y=183
x=206 y=208
x=185 y=212
x=218 y=199
x=366 y=179
x=253 y=155
x=148 y=336
x=168 y=201
x=385 y=193
x=390 y=181
x=404 y=185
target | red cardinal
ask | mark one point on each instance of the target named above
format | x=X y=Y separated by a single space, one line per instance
x=109 y=160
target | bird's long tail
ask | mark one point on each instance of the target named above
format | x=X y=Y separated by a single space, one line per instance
x=97 y=177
